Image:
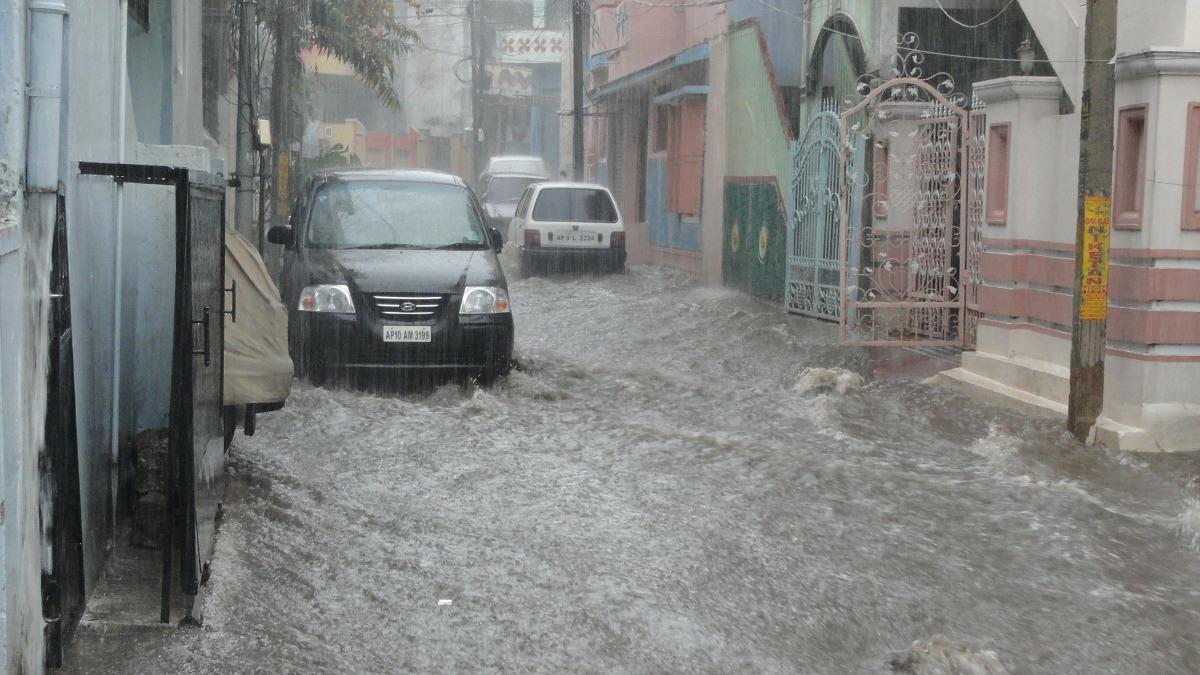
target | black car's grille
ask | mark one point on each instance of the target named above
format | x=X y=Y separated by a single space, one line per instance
x=408 y=306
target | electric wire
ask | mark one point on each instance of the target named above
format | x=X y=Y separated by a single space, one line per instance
x=978 y=25
x=801 y=18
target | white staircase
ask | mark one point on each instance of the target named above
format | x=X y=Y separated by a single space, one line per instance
x=1058 y=25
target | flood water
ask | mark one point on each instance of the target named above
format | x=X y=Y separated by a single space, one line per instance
x=658 y=489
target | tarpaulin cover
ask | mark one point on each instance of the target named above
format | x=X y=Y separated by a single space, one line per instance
x=257 y=366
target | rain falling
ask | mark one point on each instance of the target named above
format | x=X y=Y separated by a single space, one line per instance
x=784 y=336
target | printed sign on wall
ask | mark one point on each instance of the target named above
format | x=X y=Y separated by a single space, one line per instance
x=532 y=46
x=1097 y=222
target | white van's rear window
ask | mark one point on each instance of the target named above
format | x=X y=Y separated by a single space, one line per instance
x=574 y=205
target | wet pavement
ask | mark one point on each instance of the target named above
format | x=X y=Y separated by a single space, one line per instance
x=660 y=489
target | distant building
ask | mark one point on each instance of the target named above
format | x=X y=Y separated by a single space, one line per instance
x=350 y=134
x=435 y=88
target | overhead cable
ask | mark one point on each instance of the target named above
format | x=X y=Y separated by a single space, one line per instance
x=978 y=25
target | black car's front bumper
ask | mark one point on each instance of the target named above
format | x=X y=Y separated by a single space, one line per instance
x=333 y=344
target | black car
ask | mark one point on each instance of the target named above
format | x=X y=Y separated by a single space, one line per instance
x=392 y=272
x=500 y=195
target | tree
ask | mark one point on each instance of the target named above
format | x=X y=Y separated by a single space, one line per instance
x=336 y=157
x=364 y=34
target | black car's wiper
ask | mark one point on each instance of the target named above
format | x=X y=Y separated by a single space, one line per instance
x=463 y=246
x=390 y=246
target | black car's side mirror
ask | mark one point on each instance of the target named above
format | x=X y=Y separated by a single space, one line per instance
x=497 y=239
x=282 y=235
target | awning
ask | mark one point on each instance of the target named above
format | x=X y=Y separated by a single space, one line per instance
x=676 y=95
x=690 y=55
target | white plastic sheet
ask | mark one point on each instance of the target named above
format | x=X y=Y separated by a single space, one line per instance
x=257 y=366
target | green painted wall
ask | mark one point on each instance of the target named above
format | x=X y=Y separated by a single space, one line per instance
x=865 y=14
x=756 y=139
x=866 y=17
x=755 y=239
x=758 y=167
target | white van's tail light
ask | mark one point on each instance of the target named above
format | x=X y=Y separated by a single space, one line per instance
x=616 y=240
x=533 y=238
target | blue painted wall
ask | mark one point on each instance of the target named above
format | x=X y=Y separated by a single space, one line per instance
x=666 y=229
x=150 y=57
x=785 y=34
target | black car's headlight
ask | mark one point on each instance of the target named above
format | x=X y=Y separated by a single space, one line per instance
x=484 y=300
x=326 y=298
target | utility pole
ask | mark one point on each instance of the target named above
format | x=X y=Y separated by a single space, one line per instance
x=578 y=54
x=243 y=208
x=1094 y=219
x=281 y=105
x=475 y=12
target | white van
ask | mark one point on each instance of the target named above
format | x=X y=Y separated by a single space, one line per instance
x=525 y=165
x=568 y=225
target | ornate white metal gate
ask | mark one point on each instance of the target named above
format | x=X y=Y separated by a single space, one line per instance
x=907 y=290
x=812 y=286
x=973 y=244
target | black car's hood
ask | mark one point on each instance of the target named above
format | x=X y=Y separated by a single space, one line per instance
x=396 y=270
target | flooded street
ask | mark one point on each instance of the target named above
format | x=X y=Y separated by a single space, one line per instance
x=659 y=489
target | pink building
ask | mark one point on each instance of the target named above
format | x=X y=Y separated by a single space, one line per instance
x=650 y=75
x=386 y=150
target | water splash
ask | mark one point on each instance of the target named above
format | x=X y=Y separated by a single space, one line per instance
x=939 y=656
x=997 y=446
x=510 y=261
x=837 y=380
x=1189 y=523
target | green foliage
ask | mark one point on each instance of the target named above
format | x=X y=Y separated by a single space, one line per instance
x=336 y=157
x=364 y=34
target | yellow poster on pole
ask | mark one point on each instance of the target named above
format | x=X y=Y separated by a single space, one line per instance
x=281 y=186
x=1097 y=224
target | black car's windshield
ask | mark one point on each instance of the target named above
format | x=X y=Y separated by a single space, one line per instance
x=393 y=214
x=507 y=188
x=574 y=205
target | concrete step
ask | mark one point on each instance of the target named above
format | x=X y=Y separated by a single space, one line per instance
x=1107 y=432
x=990 y=391
x=1038 y=378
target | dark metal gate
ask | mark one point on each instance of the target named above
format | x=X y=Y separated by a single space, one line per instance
x=196 y=451
x=196 y=459
x=62 y=575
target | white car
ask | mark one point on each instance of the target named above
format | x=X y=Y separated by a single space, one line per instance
x=568 y=224
x=515 y=164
